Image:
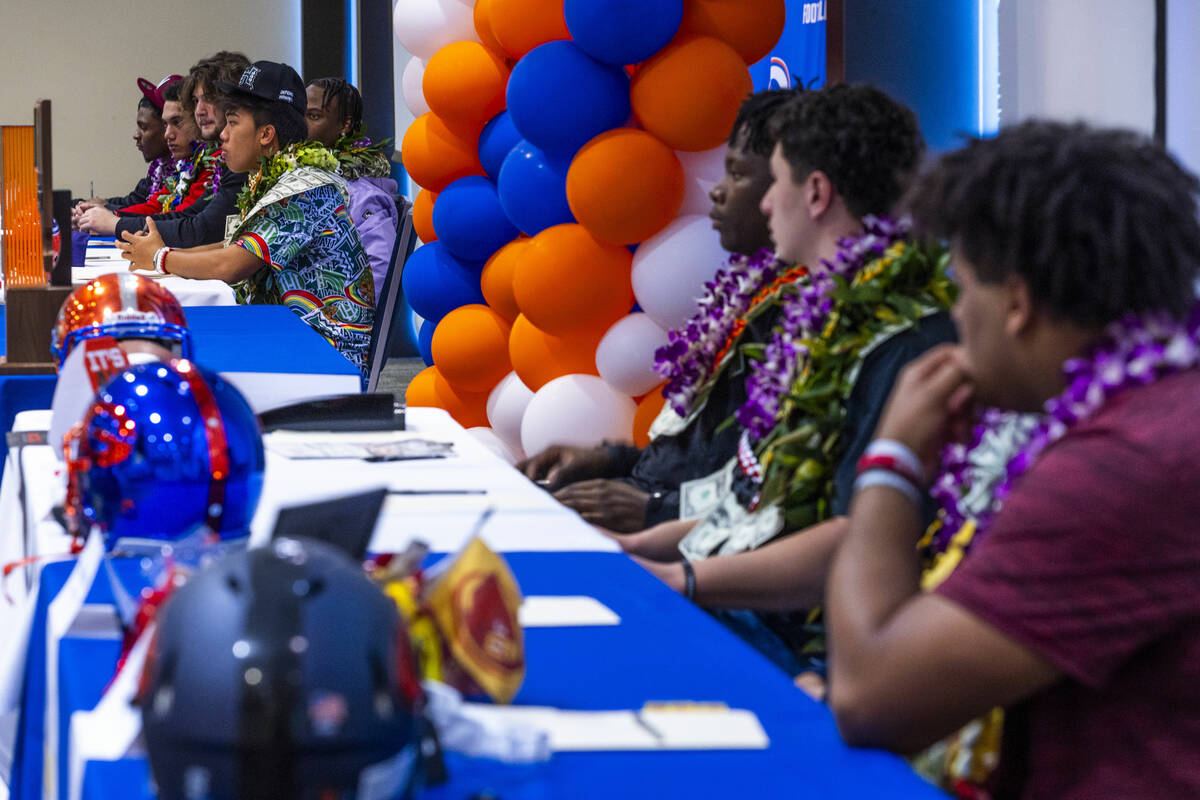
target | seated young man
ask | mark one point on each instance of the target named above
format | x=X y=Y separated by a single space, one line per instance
x=1076 y=253
x=203 y=222
x=622 y=488
x=293 y=243
x=150 y=137
x=770 y=521
x=335 y=119
x=194 y=165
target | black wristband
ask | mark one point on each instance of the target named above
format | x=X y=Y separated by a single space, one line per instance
x=689 y=579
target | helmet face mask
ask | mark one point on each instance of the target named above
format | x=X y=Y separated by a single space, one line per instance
x=124 y=306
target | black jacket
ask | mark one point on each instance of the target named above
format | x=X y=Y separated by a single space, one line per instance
x=140 y=194
x=200 y=223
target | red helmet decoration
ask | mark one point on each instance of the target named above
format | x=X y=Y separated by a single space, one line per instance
x=121 y=305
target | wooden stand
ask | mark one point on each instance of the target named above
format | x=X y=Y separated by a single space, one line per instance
x=32 y=306
x=29 y=318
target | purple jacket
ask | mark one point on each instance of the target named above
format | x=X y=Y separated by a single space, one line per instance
x=373 y=211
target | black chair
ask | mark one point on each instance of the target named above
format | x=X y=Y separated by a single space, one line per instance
x=389 y=296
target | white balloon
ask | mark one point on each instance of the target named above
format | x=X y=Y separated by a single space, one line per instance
x=488 y=438
x=426 y=26
x=579 y=410
x=701 y=172
x=410 y=87
x=670 y=269
x=625 y=356
x=506 y=406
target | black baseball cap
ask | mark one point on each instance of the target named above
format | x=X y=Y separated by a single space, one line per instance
x=269 y=80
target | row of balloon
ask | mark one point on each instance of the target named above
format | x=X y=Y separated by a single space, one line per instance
x=565 y=150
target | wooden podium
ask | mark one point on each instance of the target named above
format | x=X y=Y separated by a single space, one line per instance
x=26 y=250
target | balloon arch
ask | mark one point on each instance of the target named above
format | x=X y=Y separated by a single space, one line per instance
x=565 y=150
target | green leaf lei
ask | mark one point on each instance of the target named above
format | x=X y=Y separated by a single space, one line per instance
x=272 y=168
x=358 y=157
x=799 y=456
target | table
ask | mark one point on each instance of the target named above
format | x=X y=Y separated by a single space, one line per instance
x=665 y=649
x=103 y=257
x=268 y=352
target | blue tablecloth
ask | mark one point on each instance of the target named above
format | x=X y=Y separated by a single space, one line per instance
x=664 y=649
x=226 y=338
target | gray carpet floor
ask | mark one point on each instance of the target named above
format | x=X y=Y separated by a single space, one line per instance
x=397 y=373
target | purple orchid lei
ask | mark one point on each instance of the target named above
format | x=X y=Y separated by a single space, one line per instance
x=691 y=354
x=1135 y=351
x=804 y=315
x=158 y=172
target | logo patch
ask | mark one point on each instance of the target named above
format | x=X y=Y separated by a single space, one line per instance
x=249 y=77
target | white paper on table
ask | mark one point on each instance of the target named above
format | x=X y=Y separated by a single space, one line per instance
x=108 y=731
x=542 y=611
x=558 y=531
x=60 y=616
x=681 y=726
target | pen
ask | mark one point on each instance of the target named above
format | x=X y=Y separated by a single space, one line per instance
x=91 y=188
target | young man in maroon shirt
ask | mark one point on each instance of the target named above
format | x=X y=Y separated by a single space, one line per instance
x=1078 y=609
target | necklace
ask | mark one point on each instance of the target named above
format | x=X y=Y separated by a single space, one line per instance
x=272 y=168
x=807 y=313
x=1135 y=351
x=693 y=354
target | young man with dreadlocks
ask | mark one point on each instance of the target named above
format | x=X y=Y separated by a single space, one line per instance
x=335 y=119
x=622 y=488
x=292 y=242
x=1076 y=252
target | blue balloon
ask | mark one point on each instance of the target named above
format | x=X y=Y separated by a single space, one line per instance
x=623 y=31
x=533 y=189
x=498 y=138
x=425 y=342
x=435 y=282
x=469 y=220
x=560 y=97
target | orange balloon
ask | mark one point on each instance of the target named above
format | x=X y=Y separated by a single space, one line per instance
x=483 y=26
x=521 y=25
x=624 y=186
x=423 y=215
x=497 y=278
x=464 y=83
x=689 y=94
x=649 y=407
x=430 y=389
x=435 y=155
x=538 y=358
x=470 y=348
x=566 y=282
x=751 y=27
x=421 y=391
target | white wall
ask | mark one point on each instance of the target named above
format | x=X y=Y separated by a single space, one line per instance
x=1183 y=81
x=86 y=57
x=1079 y=59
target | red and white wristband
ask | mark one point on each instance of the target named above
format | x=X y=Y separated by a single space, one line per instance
x=160 y=260
x=887 y=462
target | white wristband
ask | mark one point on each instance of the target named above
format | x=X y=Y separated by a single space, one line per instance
x=883 y=477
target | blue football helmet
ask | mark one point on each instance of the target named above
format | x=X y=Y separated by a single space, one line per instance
x=164 y=449
x=124 y=306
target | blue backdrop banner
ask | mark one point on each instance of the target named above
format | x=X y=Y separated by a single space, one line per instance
x=799 y=57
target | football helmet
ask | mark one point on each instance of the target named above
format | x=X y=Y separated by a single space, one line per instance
x=121 y=305
x=282 y=671
x=163 y=449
